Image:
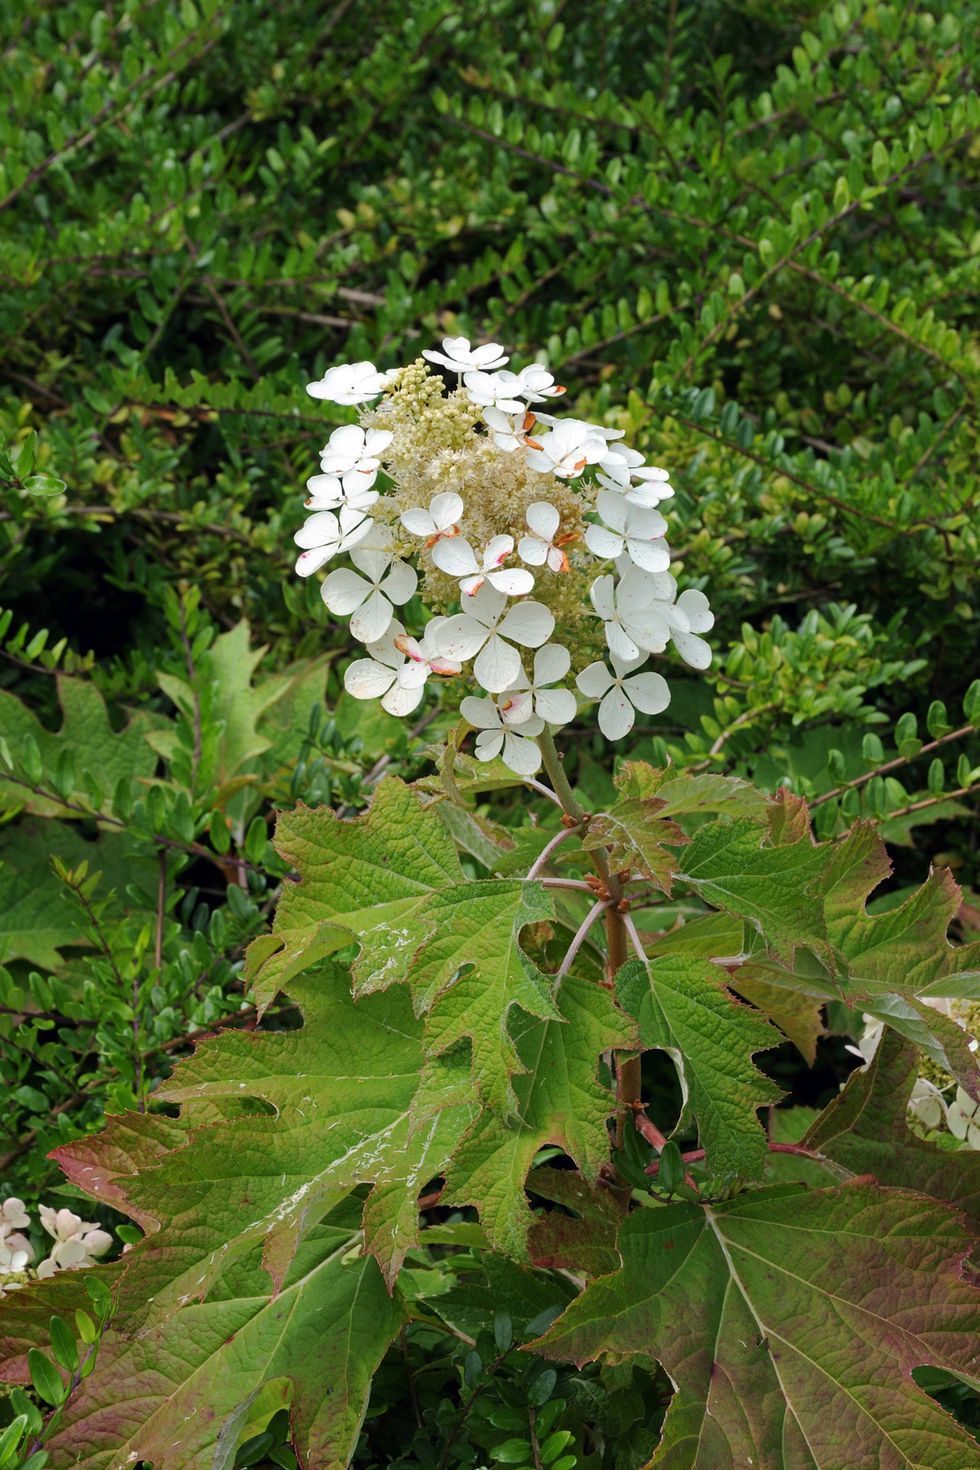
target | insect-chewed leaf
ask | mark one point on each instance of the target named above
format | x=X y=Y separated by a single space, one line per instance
x=683 y=1006
x=790 y=1322
x=362 y=880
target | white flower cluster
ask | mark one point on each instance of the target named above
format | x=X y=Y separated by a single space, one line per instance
x=77 y=1243
x=487 y=499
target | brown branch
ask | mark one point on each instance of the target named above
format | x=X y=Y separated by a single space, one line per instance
x=892 y=765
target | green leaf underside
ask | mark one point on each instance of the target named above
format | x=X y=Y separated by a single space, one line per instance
x=560 y=1101
x=789 y=1321
x=889 y=962
x=179 y=1393
x=866 y=1129
x=362 y=879
x=683 y=1006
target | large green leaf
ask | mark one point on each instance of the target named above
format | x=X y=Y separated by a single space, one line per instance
x=866 y=1129
x=888 y=963
x=472 y=971
x=774 y=886
x=179 y=1393
x=683 y=1006
x=560 y=1101
x=790 y=1322
x=363 y=880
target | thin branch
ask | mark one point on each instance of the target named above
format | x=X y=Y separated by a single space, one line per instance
x=893 y=765
x=544 y=856
x=581 y=935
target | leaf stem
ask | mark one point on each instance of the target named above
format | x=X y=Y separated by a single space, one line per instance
x=581 y=935
x=544 y=856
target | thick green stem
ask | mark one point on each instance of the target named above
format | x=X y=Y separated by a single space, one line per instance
x=556 y=773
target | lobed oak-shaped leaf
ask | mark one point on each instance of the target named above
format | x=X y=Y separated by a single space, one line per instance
x=690 y=792
x=889 y=963
x=363 y=880
x=776 y=887
x=866 y=1129
x=682 y=1006
x=560 y=1101
x=635 y=834
x=178 y=1393
x=472 y=971
x=790 y=1322
x=87 y=734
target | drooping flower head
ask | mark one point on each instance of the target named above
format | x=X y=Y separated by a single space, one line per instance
x=524 y=552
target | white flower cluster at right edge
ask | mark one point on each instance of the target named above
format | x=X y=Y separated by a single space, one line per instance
x=485 y=499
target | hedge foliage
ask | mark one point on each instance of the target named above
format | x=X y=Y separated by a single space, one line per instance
x=749 y=222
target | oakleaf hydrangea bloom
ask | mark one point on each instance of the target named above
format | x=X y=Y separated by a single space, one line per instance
x=523 y=551
x=76 y=1243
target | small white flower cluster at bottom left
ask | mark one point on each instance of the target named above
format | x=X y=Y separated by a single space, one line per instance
x=77 y=1242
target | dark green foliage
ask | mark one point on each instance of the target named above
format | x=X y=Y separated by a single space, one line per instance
x=749 y=223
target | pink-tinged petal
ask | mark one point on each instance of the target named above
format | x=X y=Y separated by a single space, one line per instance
x=455 y=556
x=616 y=715
x=418 y=522
x=693 y=650
x=543 y=519
x=372 y=619
x=527 y=623
x=497 y=665
x=312 y=561
x=325 y=488
x=604 y=544
x=521 y=755
x=343 y=592
x=447 y=667
x=400 y=701
x=470 y=586
x=594 y=680
x=482 y=714
x=516 y=706
x=497 y=550
x=533 y=550
x=365 y=679
x=513 y=581
x=321 y=529
x=460 y=637
x=400 y=583
x=651 y=556
x=603 y=595
x=648 y=692
x=551 y=663
x=695 y=605
x=557 y=706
